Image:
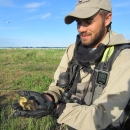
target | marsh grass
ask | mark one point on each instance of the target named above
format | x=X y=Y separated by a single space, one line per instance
x=25 y=69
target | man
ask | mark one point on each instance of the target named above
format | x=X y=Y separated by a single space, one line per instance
x=87 y=96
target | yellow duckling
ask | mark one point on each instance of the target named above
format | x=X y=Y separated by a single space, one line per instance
x=28 y=104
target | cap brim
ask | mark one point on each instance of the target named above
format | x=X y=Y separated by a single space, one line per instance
x=80 y=13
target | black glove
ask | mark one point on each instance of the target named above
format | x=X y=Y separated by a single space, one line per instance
x=45 y=106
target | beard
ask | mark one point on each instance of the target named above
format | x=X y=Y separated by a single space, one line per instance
x=98 y=37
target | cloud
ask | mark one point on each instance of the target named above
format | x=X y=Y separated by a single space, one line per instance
x=31 y=10
x=44 y=16
x=41 y=16
x=32 y=7
x=126 y=4
x=6 y=3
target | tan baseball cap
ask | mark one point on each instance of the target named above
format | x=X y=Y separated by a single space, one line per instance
x=87 y=8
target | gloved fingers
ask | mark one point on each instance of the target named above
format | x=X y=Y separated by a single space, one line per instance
x=39 y=113
x=17 y=106
x=22 y=113
x=36 y=96
x=27 y=93
x=31 y=114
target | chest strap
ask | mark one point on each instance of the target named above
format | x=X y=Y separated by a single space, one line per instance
x=102 y=70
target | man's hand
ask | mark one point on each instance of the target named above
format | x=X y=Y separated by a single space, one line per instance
x=45 y=106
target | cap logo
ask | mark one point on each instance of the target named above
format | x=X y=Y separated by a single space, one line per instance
x=81 y=2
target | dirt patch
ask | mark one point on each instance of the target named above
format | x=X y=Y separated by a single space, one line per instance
x=7 y=96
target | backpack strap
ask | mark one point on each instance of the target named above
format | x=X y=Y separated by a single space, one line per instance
x=102 y=70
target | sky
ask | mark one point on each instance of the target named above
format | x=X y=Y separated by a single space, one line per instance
x=40 y=23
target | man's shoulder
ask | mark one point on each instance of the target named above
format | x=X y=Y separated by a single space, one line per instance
x=70 y=51
x=70 y=48
x=123 y=59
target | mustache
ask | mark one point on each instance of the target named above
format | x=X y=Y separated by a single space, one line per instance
x=84 y=33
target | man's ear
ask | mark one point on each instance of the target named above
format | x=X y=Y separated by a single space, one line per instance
x=108 y=19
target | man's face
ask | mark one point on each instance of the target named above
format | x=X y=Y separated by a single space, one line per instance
x=91 y=30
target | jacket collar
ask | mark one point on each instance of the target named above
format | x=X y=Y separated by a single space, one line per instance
x=113 y=38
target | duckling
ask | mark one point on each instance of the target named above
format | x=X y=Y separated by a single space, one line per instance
x=28 y=104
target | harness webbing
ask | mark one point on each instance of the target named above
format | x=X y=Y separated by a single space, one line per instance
x=74 y=87
x=105 y=65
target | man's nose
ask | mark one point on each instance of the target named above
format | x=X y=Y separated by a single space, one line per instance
x=82 y=27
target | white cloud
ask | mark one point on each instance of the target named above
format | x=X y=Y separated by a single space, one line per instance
x=6 y=3
x=34 y=5
x=127 y=4
x=31 y=10
x=41 y=16
x=44 y=16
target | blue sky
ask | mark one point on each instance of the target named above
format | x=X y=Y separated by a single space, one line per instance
x=40 y=23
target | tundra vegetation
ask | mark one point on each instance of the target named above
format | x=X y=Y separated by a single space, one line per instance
x=25 y=69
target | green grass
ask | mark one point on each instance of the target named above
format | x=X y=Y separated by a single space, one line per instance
x=25 y=69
